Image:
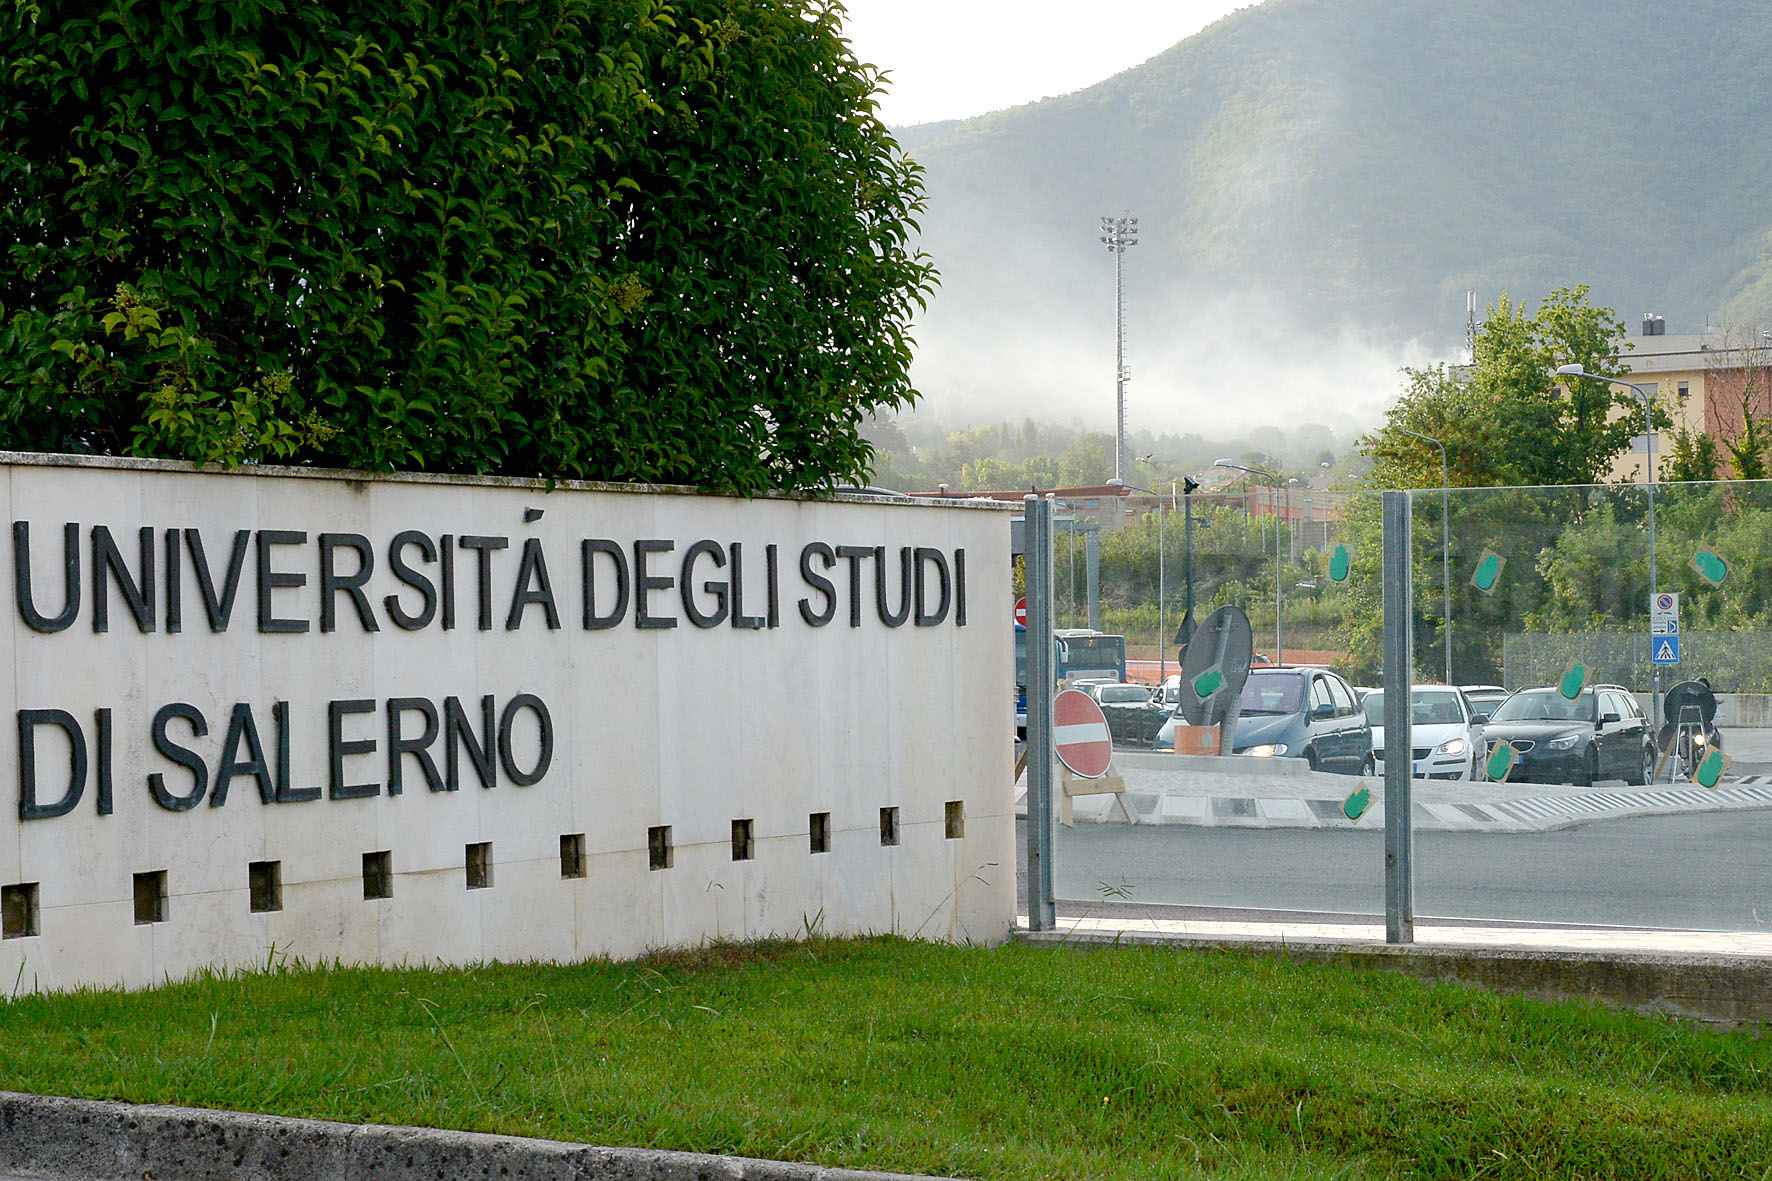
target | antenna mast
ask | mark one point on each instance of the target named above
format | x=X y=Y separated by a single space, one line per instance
x=1470 y=326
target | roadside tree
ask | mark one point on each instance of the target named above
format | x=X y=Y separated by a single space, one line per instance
x=651 y=240
x=1508 y=420
x=1508 y=423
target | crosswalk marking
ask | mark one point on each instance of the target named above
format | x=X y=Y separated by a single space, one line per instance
x=1527 y=813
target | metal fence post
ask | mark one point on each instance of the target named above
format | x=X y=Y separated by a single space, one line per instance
x=1399 y=674
x=1042 y=907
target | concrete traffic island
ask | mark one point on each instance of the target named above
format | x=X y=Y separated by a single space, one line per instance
x=1240 y=792
x=51 y=1139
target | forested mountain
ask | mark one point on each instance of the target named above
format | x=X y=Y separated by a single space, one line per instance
x=1309 y=169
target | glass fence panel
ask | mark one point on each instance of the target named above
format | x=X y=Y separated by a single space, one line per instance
x=1264 y=827
x=1583 y=753
x=1626 y=738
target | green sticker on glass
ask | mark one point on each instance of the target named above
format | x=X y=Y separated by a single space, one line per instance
x=1710 y=769
x=1207 y=683
x=1488 y=571
x=1357 y=802
x=1339 y=563
x=1574 y=681
x=1710 y=566
x=1501 y=761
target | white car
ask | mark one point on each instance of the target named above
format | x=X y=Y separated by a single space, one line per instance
x=1446 y=735
x=1171 y=691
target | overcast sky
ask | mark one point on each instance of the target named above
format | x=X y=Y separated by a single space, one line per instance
x=949 y=59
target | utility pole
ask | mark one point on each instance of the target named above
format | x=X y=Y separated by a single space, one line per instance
x=1117 y=233
x=1291 y=523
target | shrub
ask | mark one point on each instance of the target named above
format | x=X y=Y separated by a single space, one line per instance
x=611 y=239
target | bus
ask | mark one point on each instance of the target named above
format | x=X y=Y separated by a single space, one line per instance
x=1090 y=655
x=1077 y=654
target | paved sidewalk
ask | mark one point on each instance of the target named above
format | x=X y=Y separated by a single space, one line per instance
x=1511 y=936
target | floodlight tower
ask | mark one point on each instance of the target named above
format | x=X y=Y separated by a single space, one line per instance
x=1117 y=233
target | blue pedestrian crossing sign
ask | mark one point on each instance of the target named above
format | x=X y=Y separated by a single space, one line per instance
x=1664 y=649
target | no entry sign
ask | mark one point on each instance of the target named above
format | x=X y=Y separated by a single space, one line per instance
x=1080 y=734
x=1021 y=612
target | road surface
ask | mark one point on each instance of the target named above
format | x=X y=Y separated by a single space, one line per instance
x=1702 y=871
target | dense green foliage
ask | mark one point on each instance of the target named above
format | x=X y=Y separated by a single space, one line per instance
x=1509 y=424
x=1366 y=163
x=1231 y=553
x=1020 y=1063
x=1527 y=452
x=654 y=240
x=1509 y=420
x=1576 y=583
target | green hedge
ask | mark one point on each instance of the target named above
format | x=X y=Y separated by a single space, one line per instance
x=620 y=239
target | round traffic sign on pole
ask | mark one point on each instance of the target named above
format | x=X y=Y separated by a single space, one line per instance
x=1080 y=734
x=1021 y=611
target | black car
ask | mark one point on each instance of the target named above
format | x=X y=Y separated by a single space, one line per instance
x=1133 y=712
x=1483 y=699
x=1600 y=734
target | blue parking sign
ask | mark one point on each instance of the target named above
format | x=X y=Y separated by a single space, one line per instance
x=1664 y=649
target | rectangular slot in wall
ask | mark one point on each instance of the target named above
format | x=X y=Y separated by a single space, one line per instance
x=743 y=847
x=479 y=859
x=889 y=826
x=956 y=818
x=378 y=874
x=658 y=847
x=18 y=910
x=572 y=855
x=819 y=825
x=150 y=897
x=264 y=881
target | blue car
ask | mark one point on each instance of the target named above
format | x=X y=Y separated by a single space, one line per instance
x=1297 y=713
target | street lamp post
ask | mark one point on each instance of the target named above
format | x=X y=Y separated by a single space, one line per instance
x=1188 y=487
x=1445 y=544
x=1162 y=634
x=1070 y=590
x=1279 y=649
x=1649 y=467
x=1291 y=523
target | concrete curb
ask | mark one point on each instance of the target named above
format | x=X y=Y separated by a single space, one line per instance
x=1728 y=992
x=63 y=1139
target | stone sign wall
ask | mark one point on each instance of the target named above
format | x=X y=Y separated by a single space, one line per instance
x=408 y=719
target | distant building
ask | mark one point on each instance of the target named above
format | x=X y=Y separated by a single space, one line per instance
x=1701 y=380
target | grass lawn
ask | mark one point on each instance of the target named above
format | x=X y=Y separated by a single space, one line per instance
x=1014 y=1062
